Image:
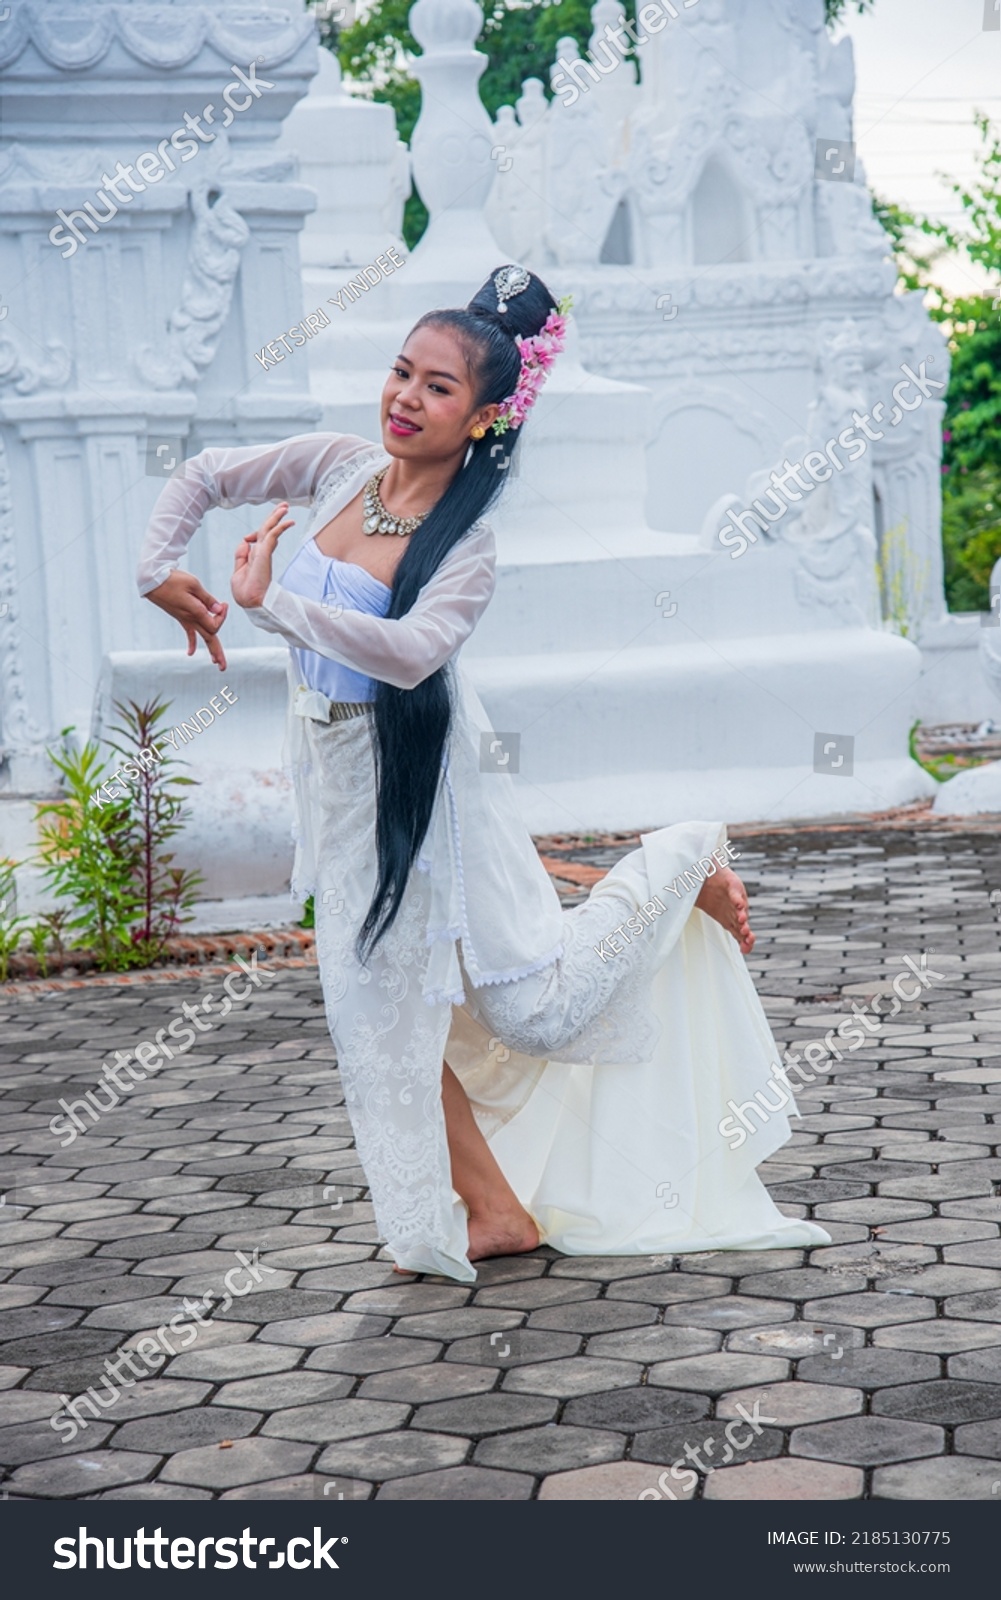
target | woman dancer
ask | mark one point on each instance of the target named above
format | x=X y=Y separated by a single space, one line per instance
x=512 y=1071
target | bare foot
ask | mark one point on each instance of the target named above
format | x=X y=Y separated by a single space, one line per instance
x=502 y=1236
x=493 y=1235
x=724 y=898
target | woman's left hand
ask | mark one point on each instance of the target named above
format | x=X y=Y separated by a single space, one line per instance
x=252 y=571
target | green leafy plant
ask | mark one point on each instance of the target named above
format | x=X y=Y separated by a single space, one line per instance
x=53 y=925
x=39 y=937
x=971 y=471
x=166 y=892
x=308 y=914
x=83 y=850
x=104 y=854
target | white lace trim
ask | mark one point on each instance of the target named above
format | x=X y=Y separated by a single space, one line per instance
x=521 y=972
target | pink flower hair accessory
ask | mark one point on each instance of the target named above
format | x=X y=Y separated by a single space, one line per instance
x=538 y=353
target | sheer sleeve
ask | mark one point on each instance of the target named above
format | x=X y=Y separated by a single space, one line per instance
x=248 y=475
x=403 y=650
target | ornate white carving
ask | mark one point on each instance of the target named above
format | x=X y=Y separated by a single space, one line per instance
x=217 y=238
x=71 y=37
x=18 y=729
x=27 y=375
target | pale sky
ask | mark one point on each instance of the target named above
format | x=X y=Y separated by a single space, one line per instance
x=923 y=68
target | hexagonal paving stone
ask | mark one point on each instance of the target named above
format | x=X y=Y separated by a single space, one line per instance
x=278 y=1390
x=593 y=1316
x=234 y=1361
x=441 y=1380
x=304 y=1486
x=248 y=1461
x=668 y=1288
x=632 y=1410
x=870 y=1310
x=518 y=1347
x=651 y=1344
x=462 y=1323
x=702 y=1447
x=981 y=1366
x=730 y=1311
x=550 y=1449
x=979 y=1439
x=34 y=1441
x=715 y=1374
x=75 y=1476
x=790 y=1404
x=982 y=1307
x=199 y=1425
x=944 y=1478
x=806 y=1283
x=459 y=1483
x=609 y=1269
x=326 y=1421
x=575 y=1376
x=522 y=1296
x=372 y=1355
x=796 y=1340
x=947 y=1401
x=868 y=1368
x=476 y=1415
x=944 y=1336
x=392 y=1455
x=333 y=1328
x=786 y=1480
x=866 y=1441
x=407 y=1299
x=616 y=1480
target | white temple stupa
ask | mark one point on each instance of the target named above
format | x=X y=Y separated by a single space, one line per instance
x=644 y=673
x=734 y=306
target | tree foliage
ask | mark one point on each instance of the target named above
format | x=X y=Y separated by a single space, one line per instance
x=971 y=469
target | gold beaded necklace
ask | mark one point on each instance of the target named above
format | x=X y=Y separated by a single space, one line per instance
x=377 y=519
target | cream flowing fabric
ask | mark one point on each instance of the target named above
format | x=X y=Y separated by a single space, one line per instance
x=599 y=1079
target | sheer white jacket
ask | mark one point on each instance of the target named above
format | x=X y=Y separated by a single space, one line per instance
x=478 y=851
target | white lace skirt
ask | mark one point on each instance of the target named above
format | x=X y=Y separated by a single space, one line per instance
x=599 y=1078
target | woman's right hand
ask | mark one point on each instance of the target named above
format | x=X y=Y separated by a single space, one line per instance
x=199 y=613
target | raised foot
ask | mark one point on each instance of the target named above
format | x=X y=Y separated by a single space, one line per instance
x=502 y=1236
x=724 y=898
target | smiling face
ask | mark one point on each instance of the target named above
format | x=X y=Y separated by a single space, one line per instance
x=429 y=401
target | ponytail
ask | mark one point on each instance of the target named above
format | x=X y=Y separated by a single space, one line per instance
x=412 y=725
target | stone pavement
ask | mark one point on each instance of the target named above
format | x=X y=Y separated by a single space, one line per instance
x=874 y=1363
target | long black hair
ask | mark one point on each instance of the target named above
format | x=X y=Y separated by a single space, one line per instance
x=412 y=725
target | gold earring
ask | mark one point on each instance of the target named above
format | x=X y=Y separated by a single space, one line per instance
x=478 y=433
